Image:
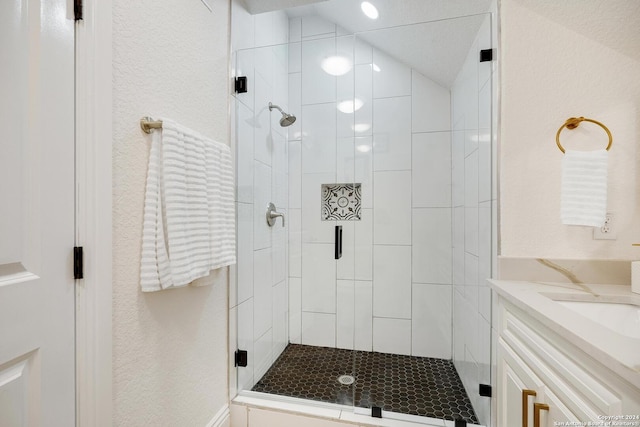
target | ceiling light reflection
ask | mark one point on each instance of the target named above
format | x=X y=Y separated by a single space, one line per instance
x=483 y=137
x=336 y=65
x=369 y=10
x=350 y=105
x=361 y=127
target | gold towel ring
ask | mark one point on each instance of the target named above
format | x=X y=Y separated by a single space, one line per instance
x=574 y=122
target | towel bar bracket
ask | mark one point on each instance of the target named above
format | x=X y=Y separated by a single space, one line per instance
x=147 y=124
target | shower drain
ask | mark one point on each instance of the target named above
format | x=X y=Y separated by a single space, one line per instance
x=346 y=379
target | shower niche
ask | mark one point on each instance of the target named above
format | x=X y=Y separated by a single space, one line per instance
x=392 y=143
x=341 y=202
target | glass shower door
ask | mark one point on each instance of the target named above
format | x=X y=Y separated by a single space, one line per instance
x=261 y=279
x=423 y=136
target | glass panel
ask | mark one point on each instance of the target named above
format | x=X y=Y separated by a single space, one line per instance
x=472 y=230
x=427 y=95
x=294 y=298
x=392 y=143
x=244 y=127
x=262 y=279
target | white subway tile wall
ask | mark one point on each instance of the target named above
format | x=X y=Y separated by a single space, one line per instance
x=262 y=291
x=392 y=282
x=246 y=342
x=391 y=133
x=392 y=208
x=363 y=315
x=393 y=136
x=431 y=233
x=318 y=278
x=319 y=329
x=430 y=102
x=393 y=79
x=431 y=163
x=345 y=317
x=245 y=252
x=433 y=330
x=295 y=309
x=392 y=335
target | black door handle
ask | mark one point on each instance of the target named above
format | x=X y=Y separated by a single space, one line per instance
x=338 y=242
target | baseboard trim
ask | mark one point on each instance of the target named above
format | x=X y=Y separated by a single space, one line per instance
x=220 y=418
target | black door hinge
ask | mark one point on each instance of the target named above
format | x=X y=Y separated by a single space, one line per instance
x=78 y=263
x=241 y=358
x=77 y=10
x=241 y=84
x=486 y=55
x=376 y=412
x=485 y=390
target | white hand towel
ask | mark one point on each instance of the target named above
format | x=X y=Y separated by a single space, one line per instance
x=196 y=224
x=584 y=188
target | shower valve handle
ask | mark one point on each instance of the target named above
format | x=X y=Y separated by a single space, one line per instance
x=272 y=214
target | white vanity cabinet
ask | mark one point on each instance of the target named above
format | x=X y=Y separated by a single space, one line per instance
x=543 y=379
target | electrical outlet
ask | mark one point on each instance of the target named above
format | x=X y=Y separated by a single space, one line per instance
x=608 y=230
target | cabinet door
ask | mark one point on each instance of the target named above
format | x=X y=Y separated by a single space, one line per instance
x=515 y=378
x=515 y=381
x=558 y=413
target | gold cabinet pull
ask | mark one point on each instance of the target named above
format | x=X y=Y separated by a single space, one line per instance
x=525 y=405
x=537 y=407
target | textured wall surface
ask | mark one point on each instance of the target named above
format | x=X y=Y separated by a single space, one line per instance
x=551 y=73
x=170 y=354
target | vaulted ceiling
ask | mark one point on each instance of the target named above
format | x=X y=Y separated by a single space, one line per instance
x=437 y=48
x=420 y=33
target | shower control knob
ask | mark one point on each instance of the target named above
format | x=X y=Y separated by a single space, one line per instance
x=272 y=214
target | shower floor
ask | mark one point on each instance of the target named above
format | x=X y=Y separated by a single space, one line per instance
x=421 y=386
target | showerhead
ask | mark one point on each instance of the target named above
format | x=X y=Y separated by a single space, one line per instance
x=287 y=119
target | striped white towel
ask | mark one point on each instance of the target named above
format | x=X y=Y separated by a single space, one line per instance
x=189 y=221
x=584 y=188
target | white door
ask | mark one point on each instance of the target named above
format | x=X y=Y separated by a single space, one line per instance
x=37 y=348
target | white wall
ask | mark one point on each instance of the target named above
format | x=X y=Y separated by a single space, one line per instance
x=259 y=291
x=474 y=197
x=391 y=290
x=170 y=356
x=550 y=73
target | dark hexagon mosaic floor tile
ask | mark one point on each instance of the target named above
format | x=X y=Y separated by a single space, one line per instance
x=413 y=385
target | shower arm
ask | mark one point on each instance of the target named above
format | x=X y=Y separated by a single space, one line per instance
x=272 y=106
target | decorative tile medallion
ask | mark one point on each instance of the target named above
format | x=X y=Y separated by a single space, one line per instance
x=341 y=202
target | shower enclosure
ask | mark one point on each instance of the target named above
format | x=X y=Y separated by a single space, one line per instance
x=371 y=290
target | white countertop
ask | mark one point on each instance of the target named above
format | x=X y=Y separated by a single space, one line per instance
x=618 y=352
